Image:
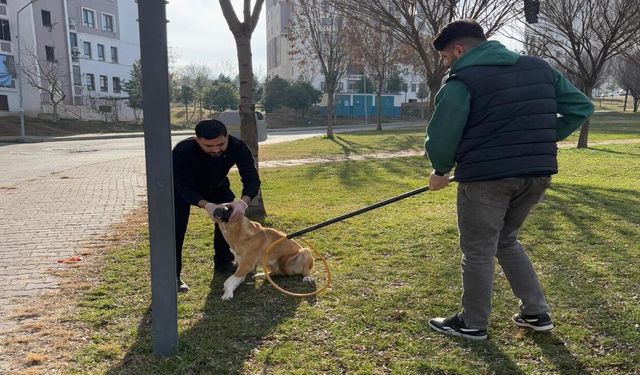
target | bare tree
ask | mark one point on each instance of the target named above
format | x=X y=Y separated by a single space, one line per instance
x=378 y=52
x=416 y=22
x=242 y=32
x=319 y=37
x=48 y=77
x=627 y=72
x=582 y=36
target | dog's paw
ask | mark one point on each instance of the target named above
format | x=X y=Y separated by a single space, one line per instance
x=308 y=279
x=227 y=296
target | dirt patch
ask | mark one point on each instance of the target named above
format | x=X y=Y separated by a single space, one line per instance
x=46 y=331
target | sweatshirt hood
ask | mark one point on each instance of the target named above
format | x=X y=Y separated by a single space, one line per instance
x=486 y=53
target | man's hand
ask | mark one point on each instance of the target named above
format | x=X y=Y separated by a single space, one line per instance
x=239 y=207
x=210 y=208
x=438 y=182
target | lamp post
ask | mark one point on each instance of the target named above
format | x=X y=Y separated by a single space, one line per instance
x=22 y=133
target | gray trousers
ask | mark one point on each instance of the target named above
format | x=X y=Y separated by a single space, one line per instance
x=490 y=214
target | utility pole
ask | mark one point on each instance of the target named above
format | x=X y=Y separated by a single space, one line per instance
x=19 y=37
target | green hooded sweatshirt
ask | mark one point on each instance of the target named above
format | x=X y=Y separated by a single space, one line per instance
x=453 y=102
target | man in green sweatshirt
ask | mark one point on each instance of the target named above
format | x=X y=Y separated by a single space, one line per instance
x=496 y=121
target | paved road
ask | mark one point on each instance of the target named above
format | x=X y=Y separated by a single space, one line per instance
x=59 y=197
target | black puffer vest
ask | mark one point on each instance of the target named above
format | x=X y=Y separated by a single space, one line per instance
x=511 y=128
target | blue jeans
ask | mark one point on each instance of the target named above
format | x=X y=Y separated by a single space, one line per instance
x=490 y=214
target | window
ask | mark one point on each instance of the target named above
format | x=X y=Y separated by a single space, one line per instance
x=4 y=103
x=100 y=52
x=413 y=87
x=116 y=85
x=5 y=31
x=46 y=18
x=91 y=82
x=107 y=22
x=49 y=53
x=114 y=54
x=77 y=77
x=104 y=84
x=3 y=1
x=87 y=49
x=88 y=18
x=73 y=39
x=7 y=71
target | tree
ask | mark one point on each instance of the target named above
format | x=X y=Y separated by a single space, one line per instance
x=242 y=32
x=197 y=76
x=319 y=37
x=186 y=95
x=301 y=96
x=48 y=77
x=582 y=36
x=220 y=96
x=628 y=75
x=416 y=22
x=422 y=94
x=274 y=97
x=133 y=88
x=395 y=82
x=378 y=54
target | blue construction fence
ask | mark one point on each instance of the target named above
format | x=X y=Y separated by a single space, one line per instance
x=353 y=105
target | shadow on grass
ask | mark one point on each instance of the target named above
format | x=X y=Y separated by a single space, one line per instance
x=489 y=353
x=555 y=350
x=221 y=341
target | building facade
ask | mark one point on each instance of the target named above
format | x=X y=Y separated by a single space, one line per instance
x=89 y=46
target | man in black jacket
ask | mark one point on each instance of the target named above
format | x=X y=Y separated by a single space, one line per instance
x=200 y=168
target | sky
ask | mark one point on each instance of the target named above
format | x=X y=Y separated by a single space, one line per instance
x=198 y=33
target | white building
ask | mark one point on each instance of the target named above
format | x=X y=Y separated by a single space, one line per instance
x=92 y=44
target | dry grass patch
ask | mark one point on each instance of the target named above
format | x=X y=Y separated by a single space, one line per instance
x=47 y=332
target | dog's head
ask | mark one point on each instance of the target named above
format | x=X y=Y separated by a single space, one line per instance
x=223 y=213
x=299 y=264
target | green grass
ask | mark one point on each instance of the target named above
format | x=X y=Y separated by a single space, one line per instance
x=394 y=268
x=605 y=126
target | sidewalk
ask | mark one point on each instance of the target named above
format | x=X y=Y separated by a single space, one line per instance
x=91 y=136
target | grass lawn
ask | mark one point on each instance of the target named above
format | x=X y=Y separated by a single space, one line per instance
x=394 y=268
x=605 y=126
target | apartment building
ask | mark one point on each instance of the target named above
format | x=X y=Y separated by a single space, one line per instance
x=89 y=45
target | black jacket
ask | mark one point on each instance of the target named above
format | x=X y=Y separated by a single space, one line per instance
x=196 y=175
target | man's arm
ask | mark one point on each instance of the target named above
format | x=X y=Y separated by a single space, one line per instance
x=248 y=173
x=184 y=178
x=447 y=124
x=573 y=106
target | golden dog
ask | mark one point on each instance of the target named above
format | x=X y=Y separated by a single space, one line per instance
x=248 y=242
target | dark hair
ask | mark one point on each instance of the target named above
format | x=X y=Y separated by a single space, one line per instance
x=458 y=30
x=210 y=129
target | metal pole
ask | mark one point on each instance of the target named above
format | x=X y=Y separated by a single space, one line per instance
x=157 y=139
x=22 y=132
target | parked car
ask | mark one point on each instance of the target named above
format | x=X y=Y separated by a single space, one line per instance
x=231 y=118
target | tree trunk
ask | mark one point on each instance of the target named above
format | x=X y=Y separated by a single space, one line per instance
x=584 y=135
x=331 y=109
x=433 y=88
x=626 y=95
x=636 y=102
x=248 y=126
x=186 y=114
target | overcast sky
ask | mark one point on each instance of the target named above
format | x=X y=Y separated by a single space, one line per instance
x=198 y=33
